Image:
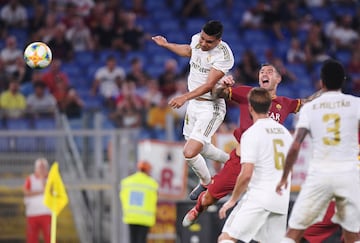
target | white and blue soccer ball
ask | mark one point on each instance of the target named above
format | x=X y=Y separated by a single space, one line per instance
x=37 y=55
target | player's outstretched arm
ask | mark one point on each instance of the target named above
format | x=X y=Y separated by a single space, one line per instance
x=311 y=97
x=223 y=89
x=183 y=50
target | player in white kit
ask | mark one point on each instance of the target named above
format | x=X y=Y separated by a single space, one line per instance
x=210 y=59
x=261 y=214
x=333 y=122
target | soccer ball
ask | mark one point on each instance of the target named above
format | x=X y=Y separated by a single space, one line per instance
x=37 y=55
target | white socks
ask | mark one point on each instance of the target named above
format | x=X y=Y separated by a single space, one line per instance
x=287 y=240
x=209 y=151
x=198 y=165
x=226 y=241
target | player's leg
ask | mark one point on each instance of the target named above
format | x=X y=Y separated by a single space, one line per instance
x=203 y=120
x=213 y=153
x=273 y=230
x=310 y=205
x=351 y=237
x=195 y=161
x=293 y=235
x=319 y=232
x=347 y=202
x=226 y=238
x=244 y=221
x=221 y=185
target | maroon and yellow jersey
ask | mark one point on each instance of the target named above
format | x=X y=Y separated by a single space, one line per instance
x=280 y=108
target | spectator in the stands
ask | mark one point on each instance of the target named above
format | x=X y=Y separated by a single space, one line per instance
x=343 y=36
x=12 y=102
x=180 y=113
x=27 y=87
x=194 y=8
x=156 y=119
x=36 y=21
x=168 y=76
x=70 y=14
x=295 y=54
x=246 y=72
x=104 y=33
x=14 y=14
x=72 y=104
x=47 y=31
x=93 y=19
x=22 y=71
x=129 y=35
x=106 y=81
x=138 y=7
x=152 y=94
x=41 y=102
x=61 y=48
x=137 y=73
x=129 y=107
x=79 y=35
x=4 y=77
x=56 y=80
x=253 y=17
x=10 y=53
x=272 y=19
x=316 y=44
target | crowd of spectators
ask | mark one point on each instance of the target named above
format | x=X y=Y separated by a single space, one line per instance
x=292 y=34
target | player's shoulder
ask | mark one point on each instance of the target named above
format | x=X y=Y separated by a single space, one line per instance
x=285 y=99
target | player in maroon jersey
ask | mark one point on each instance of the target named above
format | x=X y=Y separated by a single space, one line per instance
x=223 y=183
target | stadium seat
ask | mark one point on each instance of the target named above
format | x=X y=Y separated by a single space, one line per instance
x=18 y=124
x=4 y=144
x=45 y=123
x=321 y=13
x=84 y=58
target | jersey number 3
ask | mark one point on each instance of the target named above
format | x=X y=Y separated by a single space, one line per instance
x=334 y=129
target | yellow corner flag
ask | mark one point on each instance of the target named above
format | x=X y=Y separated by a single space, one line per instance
x=55 y=197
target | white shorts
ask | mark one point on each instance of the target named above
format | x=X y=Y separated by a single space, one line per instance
x=203 y=119
x=317 y=192
x=249 y=221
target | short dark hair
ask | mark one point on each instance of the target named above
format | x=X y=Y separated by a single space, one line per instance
x=332 y=74
x=39 y=84
x=213 y=28
x=271 y=65
x=260 y=100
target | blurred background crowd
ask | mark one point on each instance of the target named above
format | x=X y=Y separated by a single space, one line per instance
x=104 y=59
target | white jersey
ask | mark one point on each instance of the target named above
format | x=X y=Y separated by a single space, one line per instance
x=220 y=58
x=265 y=144
x=332 y=120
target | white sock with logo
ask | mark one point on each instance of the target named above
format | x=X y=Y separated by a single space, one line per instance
x=198 y=165
x=209 y=151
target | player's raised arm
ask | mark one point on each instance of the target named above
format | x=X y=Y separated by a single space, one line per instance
x=183 y=50
x=223 y=89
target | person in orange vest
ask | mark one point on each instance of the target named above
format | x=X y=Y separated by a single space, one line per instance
x=138 y=196
x=38 y=216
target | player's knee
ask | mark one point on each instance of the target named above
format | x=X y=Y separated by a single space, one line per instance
x=225 y=238
x=189 y=153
